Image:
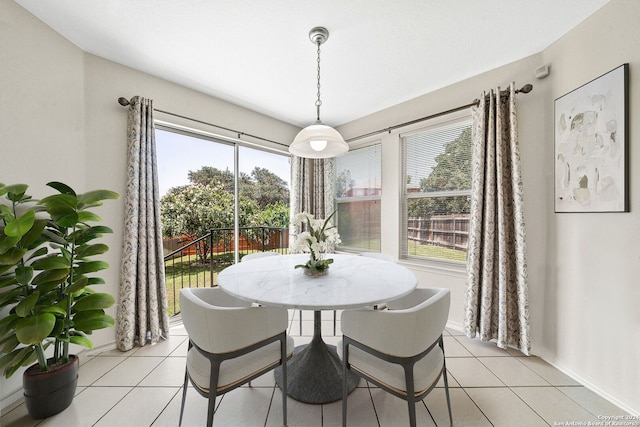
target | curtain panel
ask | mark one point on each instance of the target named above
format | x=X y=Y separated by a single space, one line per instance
x=312 y=189
x=142 y=311
x=497 y=306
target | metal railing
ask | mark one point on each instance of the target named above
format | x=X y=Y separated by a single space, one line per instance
x=198 y=260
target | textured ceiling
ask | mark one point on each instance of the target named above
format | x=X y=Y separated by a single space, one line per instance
x=257 y=54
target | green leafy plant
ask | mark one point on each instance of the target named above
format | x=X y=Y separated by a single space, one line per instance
x=46 y=266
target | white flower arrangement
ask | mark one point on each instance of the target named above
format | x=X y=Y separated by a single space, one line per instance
x=317 y=238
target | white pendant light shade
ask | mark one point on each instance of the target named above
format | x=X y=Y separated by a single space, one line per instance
x=318 y=141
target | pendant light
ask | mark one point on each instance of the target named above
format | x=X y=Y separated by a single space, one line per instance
x=318 y=141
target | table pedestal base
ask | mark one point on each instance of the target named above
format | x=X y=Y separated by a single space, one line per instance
x=314 y=372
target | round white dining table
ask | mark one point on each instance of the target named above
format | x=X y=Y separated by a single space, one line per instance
x=314 y=373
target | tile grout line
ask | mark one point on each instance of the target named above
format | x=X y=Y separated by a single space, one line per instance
x=477 y=406
x=111 y=369
x=550 y=385
x=138 y=384
x=575 y=401
x=428 y=410
x=273 y=393
x=504 y=386
x=166 y=406
x=119 y=400
x=373 y=403
x=527 y=403
x=480 y=361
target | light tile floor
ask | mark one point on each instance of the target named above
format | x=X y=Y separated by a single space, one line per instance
x=488 y=386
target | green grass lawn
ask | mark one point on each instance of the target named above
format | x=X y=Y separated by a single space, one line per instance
x=364 y=245
x=190 y=272
x=438 y=252
x=414 y=249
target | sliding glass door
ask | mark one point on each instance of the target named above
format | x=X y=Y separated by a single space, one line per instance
x=219 y=201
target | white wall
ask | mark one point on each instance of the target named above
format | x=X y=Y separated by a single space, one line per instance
x=41 y=102
x=583 y=268
x=41 y=111
x=592 y=285
x=60 y=120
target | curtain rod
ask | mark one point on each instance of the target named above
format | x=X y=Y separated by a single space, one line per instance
x=524 y=89
x=125 y=102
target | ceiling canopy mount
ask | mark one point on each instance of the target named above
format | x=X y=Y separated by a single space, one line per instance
x=318 y=35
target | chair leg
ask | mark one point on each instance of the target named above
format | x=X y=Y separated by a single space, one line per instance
x=300 y=322
x=213 y=388
x=411 y=396
x=345 y=356
x=211 y=407
x=283 y=360
x=446 y=392
x=446 y=381
x=184 y=395
x=334 y=323
x=412 y=413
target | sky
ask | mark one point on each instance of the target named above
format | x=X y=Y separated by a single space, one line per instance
x=178 y=154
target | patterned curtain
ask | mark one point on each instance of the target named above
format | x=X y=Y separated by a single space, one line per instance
x=497 y=303
x=312 y=189
x=142 y=312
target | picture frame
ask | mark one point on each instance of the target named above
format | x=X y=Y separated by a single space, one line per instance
x=591 y=129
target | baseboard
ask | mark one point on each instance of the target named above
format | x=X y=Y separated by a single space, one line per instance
x=14 y=399
x=455 y=326
x=628 y=407
x=11 y=401
x=588 y=383
x=99 y=349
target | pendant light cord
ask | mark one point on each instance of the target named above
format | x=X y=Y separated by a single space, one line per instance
x=318 y=102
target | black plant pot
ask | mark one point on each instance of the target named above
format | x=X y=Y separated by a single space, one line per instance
x=51 y=392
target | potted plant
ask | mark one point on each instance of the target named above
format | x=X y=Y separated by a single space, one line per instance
x=46 y=261
x=316 y=240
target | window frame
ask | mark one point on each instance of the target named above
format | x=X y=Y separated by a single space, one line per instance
x=404 y=196
x=235 y=144
x=344 y=200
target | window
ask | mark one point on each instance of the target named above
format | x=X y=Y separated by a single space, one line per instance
x=197 y=175
x=197 y=182
x=358 y=190
x=436 y=198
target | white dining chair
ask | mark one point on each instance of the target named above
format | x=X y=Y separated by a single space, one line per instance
x=400 y=349
x=230 y=344
x=383 y=257
x=377 y=255
x=255 y=255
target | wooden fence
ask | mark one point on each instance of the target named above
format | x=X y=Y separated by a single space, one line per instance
x=449 y=231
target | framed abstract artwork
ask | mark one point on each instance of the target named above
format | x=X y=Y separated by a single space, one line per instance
x=591 y=146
